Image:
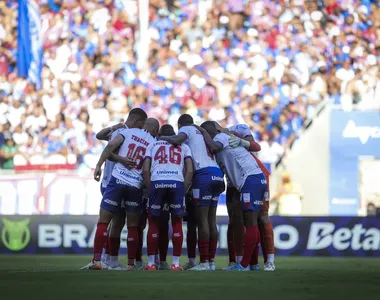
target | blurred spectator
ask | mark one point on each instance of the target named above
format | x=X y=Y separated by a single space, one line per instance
x=372 y=210
x=7 y=153
x=264 y=63
x=271 y=151
x=288 y=197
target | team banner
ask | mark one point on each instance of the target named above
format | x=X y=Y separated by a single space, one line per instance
x=301 y=236
x=354 y=161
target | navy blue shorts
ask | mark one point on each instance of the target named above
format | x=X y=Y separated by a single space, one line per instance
x=119 y=195
x=254 y=192
x=208 y=184
x=169 y=192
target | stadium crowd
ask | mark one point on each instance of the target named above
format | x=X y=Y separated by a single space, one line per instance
x=261 y=62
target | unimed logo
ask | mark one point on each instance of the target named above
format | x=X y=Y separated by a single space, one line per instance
x=363 y=133
x=15 y=235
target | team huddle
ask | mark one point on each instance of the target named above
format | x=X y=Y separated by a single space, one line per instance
x=154 y=175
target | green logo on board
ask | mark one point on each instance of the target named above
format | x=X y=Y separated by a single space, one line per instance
x=15 y=234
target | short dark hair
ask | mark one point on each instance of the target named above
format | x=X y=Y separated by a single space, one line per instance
x=185 y=120
x=167 y=130
x=209 y=126
x=138 y=113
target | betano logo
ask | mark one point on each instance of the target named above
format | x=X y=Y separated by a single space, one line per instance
x=15 y=234
x=364 y=133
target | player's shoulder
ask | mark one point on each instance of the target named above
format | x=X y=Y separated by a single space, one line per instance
x=221 y=136
x=189 y=130
x=185 y=147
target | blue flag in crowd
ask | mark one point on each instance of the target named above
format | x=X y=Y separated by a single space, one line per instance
x=29 y=42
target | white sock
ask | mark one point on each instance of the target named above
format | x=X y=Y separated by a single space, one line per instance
x=192 y=261
x=157 y=258
x=151 y=260
x=238 y=259
x=176 y=261
x=270 y=258
x=103 y=254
x=114 y=261
x=107 y=258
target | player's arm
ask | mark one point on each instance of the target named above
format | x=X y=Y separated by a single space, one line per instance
x=146 y=171
x=108 y=150
x=175 y=140
x=127 y=162
x=189 y=169
x=105 y=133
x=213 y=147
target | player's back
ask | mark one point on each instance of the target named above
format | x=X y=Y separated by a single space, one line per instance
x=167 y=160
x=202 y=157
x=237 y=162
x=108 y=168
x=136 y=142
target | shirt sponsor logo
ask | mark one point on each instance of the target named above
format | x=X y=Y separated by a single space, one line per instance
x=123 y=173
x=167 y=172
x=217 y=178
x=118 y=181
x=165 y=185
x=111 y=202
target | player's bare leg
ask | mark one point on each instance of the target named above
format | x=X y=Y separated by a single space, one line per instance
x=267 y=241
x=142 y=225
x=202 y=213
x=238 y=230
x=191 y=236
x=101 y=237
x=163 y=242
x=118 y=222
x=133 y=237
x=213 y=236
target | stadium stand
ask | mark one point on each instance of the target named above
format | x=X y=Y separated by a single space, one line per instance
x=265 y=63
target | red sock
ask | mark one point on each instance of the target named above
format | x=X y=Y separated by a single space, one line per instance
x=139 y=250
x=153 y=235
x=191 y=240
x=204 y=250
x=212 y=249
x=114 y=246
x=107 y=247
x=267 y=241
x=163 y=241
x=177 y=236
x=231 y=244
x=255 y=254
x=132 y=242
x=101 y=237
x=251 y=241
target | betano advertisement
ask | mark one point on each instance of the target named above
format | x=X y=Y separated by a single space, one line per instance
x=301 y=236
x=354 y=161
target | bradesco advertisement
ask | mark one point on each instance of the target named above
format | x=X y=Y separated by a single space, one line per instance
x=354 y=136
x=309 y=236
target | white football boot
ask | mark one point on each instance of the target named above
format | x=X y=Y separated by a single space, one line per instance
x=269 y=266
x=119 y=267
x=201 y=267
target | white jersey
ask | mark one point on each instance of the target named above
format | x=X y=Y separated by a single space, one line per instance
x=136 y=141
x=202 y=158
x=237 y=162
x=167 y=160
x=107 y=173
x=241 y=129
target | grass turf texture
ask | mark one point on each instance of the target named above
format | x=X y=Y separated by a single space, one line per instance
x=58 y=277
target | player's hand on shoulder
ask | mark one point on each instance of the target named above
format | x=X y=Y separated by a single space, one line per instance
x=98 y=173
x=234 y=141
x=199 y=128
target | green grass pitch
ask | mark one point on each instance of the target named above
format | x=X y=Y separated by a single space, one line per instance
x=57 y=277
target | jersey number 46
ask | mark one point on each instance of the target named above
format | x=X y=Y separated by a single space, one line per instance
x=174 y=155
